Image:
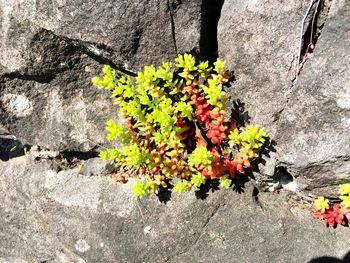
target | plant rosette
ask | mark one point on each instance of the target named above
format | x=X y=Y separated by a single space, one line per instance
x=176 y=131
x=334 y=213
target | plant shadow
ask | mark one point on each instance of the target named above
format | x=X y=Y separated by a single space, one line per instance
x=210 y=186
x=239 y=113
x=203 y=191
x=242 y=118
x=164 y=194
x=268 y=147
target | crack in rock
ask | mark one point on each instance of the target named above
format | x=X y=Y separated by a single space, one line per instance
x=44 y=78
x=314 y=27
x=328 y=168
x=172 y=21
x=210 y=15
x=309 y=37
x=206 y=223
x=95 y=51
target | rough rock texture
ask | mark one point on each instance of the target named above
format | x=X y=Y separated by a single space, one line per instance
x=49 y=51
x=260 y=44
x=136 y=33
x=308 y=118
x=54 y=105
x=57 y=205
x=313 y=132
x=69 y=216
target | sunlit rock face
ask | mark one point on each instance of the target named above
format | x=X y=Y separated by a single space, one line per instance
x=50 y=50
x=306 y=115
x=61 y=204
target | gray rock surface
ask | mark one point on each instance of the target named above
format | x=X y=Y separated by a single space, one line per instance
x=65 y=216
x=60 y=204
x=259 y=41
x=136 y=33
x=313 y=131
x=54 y=105
x=50 y=50
x=308 y=118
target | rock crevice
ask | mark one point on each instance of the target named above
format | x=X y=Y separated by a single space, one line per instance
x=313 y=25
x=210 y=16
x=171 y=7
x=57 y=207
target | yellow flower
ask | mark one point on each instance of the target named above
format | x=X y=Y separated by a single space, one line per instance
x=344 y=189
x=346 y=201
x=321 y=203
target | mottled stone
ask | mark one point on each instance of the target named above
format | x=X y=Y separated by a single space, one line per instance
x=308 y=118
x=259 y=41
x=53 y=104
x=66 y=216
x=60 y=205
x=136 y=33
x=50 y=50
x=313 y=131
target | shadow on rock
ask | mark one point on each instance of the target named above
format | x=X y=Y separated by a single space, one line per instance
x=239 y=113
x=164 y=194
x=346 y=259
x=268 y=147
x=204 y=189
x=242 y=118
x=240 y=181
x=238 y=185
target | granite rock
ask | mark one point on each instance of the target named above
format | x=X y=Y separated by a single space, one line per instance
x=307 y=116
x=59 y=216
x=50 y=50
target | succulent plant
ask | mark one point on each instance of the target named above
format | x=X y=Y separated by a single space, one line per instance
x=175 y=130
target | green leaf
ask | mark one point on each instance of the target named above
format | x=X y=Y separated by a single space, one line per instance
x=225 y=182
x=200 y=156
x=253 y=136
x=107 y=82
x=134 y=156
x=234 y=138
x=139 y=189
x=219 y=66
x=203 y=66
x=131 y=108
x=112 y=155
x=185 y=109
x=214 y=93
x=186 y=61
x=165 y=73
x=182 y=186
x=117 y=131
x=197 y=180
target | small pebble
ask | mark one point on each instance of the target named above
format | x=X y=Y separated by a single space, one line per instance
x=147 y=229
